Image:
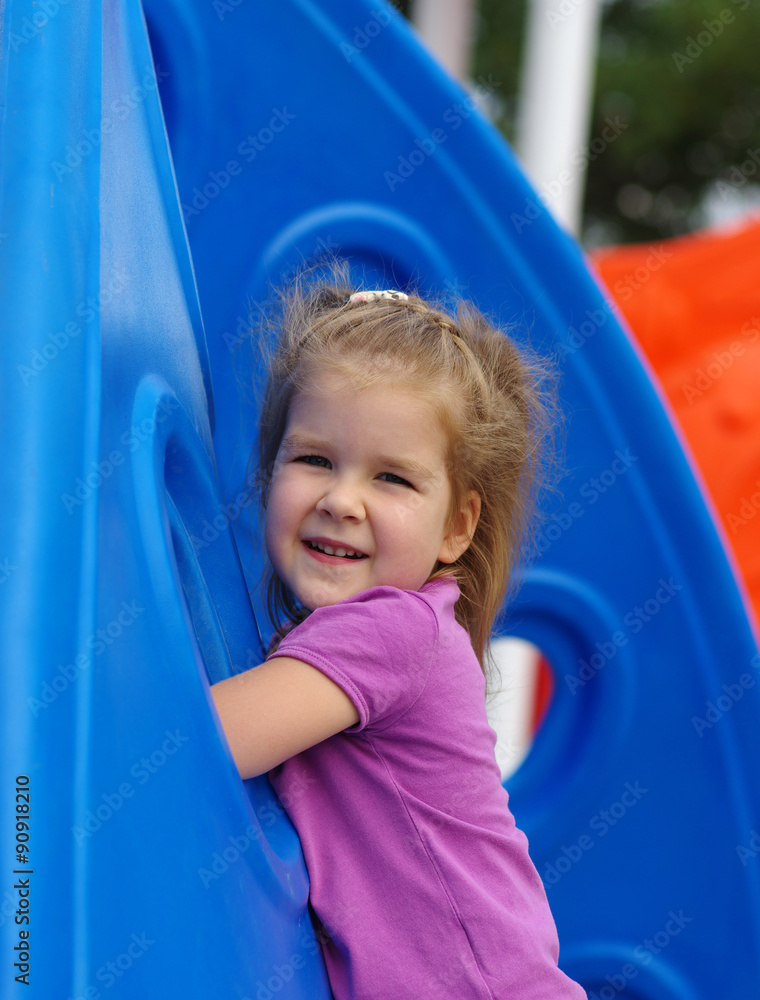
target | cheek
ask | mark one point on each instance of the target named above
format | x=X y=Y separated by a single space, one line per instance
x=277 y=516
x=270 y=535
x=399 y=520
x=410 y=525
x=416 y=509
x=288 y=504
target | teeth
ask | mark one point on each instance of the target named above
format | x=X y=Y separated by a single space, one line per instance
x=330 y=551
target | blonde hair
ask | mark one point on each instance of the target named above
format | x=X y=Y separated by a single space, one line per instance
x=497 y=405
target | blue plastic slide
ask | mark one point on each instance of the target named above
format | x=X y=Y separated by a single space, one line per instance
x=158 y=172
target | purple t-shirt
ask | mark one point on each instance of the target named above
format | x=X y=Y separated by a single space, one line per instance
x=418 y=874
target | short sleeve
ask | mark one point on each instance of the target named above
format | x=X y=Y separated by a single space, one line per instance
x=377 y=646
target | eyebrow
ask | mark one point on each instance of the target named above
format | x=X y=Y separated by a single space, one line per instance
x=298 y=442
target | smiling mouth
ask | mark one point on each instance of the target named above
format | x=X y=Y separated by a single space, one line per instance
x=341 y=551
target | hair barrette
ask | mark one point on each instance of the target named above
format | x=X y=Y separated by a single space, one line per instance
x=388 y=293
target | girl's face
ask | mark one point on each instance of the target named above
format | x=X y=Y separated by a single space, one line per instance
x=359 y=494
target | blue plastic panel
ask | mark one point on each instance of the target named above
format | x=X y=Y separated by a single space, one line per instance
x=155 y=872
x=293 y=128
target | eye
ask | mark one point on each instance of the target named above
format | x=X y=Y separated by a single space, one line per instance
x=317 y=460
x=393 y=478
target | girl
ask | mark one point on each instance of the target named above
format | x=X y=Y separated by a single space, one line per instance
x=398 y=463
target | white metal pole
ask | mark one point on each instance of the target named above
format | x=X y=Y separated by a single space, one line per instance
x=556 y=92
x=447 y=28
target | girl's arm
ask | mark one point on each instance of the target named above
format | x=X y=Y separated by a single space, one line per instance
x=278 y=709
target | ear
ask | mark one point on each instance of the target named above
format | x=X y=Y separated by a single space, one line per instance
x=460 y=535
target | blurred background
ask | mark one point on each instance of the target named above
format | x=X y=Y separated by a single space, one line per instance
x=686 y=93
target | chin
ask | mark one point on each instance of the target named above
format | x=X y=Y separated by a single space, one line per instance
x=322 y=599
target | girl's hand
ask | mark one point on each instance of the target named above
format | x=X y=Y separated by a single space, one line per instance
x=278 y=709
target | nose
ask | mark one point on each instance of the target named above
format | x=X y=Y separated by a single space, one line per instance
x=342 y=501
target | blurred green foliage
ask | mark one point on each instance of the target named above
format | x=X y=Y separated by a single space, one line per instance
x=684 y=75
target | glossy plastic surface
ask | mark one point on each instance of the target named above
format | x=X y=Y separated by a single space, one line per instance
x=293 y=128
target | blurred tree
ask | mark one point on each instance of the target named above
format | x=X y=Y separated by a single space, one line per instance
x=685 y=75
x=682 y=80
